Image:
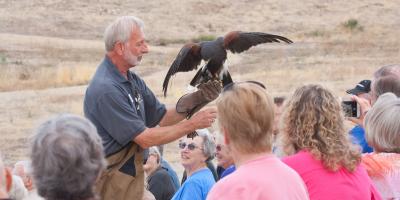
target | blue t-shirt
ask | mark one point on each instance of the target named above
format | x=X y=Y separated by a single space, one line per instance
x=196 y=187
x=228 y=171
x=358 y=137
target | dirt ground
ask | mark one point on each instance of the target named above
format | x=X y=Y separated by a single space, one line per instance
x=49 y=50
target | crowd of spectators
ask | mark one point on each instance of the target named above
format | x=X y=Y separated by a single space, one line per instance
x=295 y=147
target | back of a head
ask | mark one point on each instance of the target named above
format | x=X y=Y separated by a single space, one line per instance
x=67 y=156
x=120 y=30
x=382 y=125
x=314 y=121
x=279 y=100
x=384 y=84
x=246 y=111
x=388 y=70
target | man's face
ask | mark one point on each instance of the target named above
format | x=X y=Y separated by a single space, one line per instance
x=151 y=163
x=135 y=48
x=20 y=171
x=224 y=158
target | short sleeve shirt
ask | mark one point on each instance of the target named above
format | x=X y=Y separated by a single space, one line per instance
x=196 y=187
x=120 y=108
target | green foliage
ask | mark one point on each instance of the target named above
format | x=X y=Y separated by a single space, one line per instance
x=3 y=59
x=165 y=42
x=316 y=33
x=204 y=38
x=352 y=25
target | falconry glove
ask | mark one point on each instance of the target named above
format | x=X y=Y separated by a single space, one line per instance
x=193 y=102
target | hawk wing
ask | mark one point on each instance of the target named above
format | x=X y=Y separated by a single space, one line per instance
x=238 y=42
x=188 y=59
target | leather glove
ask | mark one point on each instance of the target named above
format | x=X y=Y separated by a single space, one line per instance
x=193 y=102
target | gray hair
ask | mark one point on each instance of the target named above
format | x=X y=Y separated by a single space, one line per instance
x=388 y=70
x=120 y=30
x=389 y=83
x=27 y=166
x=382 y=125
x=154 y=151
x=208 y=143
x=67 y=157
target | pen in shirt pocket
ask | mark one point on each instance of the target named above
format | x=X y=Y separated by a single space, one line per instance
x=131 y=99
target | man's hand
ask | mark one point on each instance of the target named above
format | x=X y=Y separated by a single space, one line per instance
x=365 y=105
x=204 y=118
x=191 y=103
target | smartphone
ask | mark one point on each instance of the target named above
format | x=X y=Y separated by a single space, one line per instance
x=350 y=108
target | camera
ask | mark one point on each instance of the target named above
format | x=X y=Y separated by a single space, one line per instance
x=350 y=108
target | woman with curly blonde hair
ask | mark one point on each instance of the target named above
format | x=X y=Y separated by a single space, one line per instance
x=319 y=147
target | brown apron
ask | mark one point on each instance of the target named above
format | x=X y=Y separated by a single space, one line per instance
x=116 y=185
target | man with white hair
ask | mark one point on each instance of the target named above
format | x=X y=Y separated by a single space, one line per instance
x=128 y=116
x=23 y=169
x=5 y=181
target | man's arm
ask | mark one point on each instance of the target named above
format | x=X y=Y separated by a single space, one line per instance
x=172 y=117
x=162 y=135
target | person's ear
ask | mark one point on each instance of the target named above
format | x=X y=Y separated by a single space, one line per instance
x=119 y=48
x=8 y=179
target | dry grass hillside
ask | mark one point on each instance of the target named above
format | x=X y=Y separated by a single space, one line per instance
x=49 y=49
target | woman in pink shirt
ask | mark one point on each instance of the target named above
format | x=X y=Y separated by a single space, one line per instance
x=245 y=115
x=320 y=150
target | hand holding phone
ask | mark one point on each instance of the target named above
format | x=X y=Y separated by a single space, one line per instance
x=350 y=108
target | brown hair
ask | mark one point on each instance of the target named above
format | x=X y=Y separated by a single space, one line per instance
x=314 y=122
x=246 y=112
x=385 y=84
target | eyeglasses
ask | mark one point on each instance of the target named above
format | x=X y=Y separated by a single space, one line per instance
x=230 y=85
x=190 y=146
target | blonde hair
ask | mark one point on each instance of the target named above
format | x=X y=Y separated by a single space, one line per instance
x=382 y=125
x=314 y=122
x=246 y=111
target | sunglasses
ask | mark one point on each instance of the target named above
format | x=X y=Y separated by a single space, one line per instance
x=190 y=146
x=230 y=85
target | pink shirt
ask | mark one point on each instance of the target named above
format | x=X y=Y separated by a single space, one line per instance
x=263 y=178
x=325 y=184
x=384 y=170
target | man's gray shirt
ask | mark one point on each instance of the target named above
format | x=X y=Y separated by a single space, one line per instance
x=120 y=109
